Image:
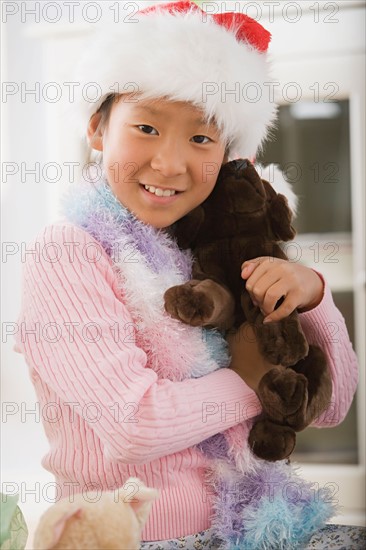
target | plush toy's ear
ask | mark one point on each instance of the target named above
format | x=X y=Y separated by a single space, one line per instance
x=186 y=229
x=280 y=214
x=60 y=525
x=48 y=535
x=139 y=497
x=279 y=183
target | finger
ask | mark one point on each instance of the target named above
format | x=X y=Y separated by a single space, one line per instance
x=247 y=270
x=260 y=260
x=254 y=263
x=284 y=310
x=260 y=282
x=273 y=294
x=259 y=265
x=249 y=266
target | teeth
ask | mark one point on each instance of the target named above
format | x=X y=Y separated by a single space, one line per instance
x=159 y=192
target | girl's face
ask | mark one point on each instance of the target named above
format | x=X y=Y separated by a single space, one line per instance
x=160 y=158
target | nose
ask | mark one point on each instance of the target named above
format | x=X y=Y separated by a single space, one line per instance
x=169 y=159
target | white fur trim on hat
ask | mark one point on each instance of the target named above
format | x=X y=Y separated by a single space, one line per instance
x=183 y=57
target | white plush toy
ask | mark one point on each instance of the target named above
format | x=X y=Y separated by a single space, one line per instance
x=96 y=521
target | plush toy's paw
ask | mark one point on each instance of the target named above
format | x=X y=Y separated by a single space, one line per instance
x=271 y=441
x=282 y=342
x=188 y=304
x=283 y=394
x=314 y=368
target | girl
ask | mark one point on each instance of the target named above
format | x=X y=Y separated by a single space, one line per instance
x=139 y=392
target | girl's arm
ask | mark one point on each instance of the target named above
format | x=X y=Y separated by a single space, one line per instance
x=76 y=333
x=325 y=326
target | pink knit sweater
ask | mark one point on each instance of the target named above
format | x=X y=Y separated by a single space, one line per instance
x=106 y=414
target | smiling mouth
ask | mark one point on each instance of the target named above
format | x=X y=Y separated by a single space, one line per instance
x=159 y=192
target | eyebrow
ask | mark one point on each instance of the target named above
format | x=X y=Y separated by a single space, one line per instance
x=155 y=112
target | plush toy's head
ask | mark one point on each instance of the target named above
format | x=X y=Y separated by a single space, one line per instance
x=95 y=520
x=241 y=204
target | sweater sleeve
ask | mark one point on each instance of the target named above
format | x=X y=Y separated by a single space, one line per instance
x=77 y=334
x=325 y=327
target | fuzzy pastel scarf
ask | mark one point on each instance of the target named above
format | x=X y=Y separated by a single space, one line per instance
x=257 y=504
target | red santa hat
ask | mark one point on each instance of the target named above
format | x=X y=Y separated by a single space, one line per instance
x=217 y=62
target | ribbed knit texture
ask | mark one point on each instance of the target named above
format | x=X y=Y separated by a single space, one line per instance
x=112 y=417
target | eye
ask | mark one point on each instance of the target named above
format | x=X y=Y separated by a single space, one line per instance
x=200 y=139
x=146 y=129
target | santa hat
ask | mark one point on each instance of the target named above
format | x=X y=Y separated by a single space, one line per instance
x=217 y=62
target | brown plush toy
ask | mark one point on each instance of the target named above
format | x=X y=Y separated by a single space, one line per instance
x=242 y=219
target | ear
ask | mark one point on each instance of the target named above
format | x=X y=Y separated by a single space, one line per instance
x=272 y=173
x=187 y=228
x=94 y=133
x=279 y=213
x=60 y=525
x=139 y=497
x=47 y=535
x=281 y=218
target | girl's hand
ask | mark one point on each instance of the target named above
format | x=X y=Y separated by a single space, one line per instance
x=268 y=279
